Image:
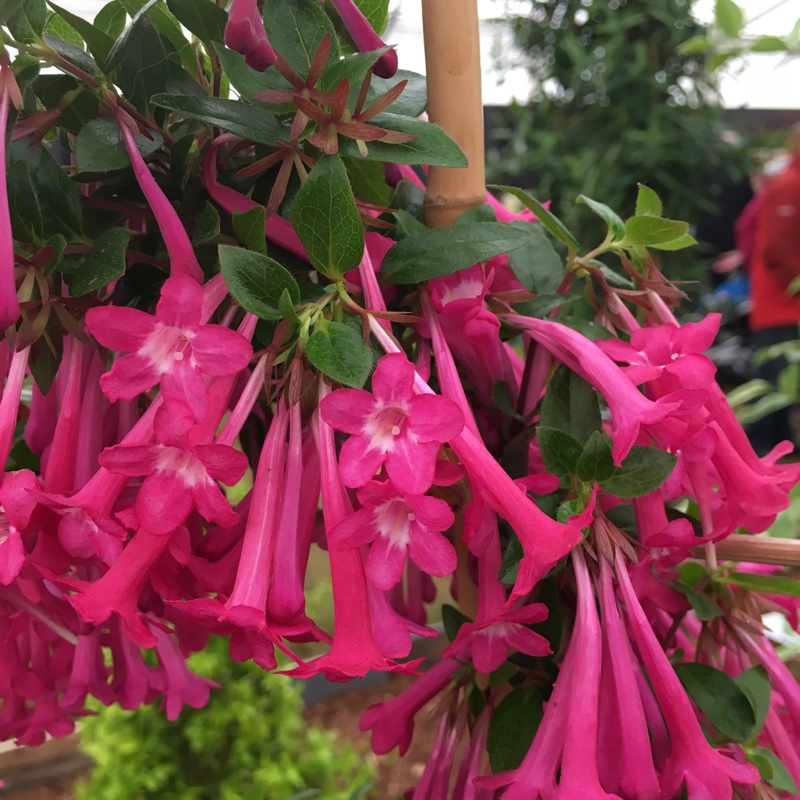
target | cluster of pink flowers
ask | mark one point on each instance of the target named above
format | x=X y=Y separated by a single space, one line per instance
x=127 y=538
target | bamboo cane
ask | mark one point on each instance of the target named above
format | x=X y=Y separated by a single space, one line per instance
x=453 y=59
x=759 y=549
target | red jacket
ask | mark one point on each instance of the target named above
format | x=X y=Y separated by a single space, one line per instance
x=776 y=258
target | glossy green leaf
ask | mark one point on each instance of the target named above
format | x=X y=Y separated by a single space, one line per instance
x=538 y=267
x=616 y=227
x=596 y=462
x=725 y=705
x=414 y=99
x=703 y=605
x=59 y=28
x=376 y=12
x=570 y=405
x=432 y=145
x=105 y=264
x=207 y=225
x=26 y=213
x=111 y=19
x=97 y=40
x=247 y=81
x=754 y=682
x=560 y=451
x=115 y=54
x=443 y=251
x=651 y=231
x=544 y=215
x=100 y=148
x=511 y=730
x=142 y=70
x=58 y=195
x=204 y=18
x=339 y=352
x=249 y=227
x=326 y=219
x=368 y=181
x=27 y=23
x=168 y=27
x=765 y=584
x=452 y=620
x=256 y=281
x=352 y=68
x=642 y=471
x=233 y=116
x=676 y=244
x=648 y=203
x=772 y=769
x=296 y=27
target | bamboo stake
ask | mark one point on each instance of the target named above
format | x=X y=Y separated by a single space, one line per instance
x=453 y=63
x=759 y=549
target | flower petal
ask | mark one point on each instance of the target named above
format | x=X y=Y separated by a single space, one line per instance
x=385 y=563
x=212 y=504
x=163 y=503
x=131 y=460
x=217 y=350
x=357 y=464
x=434 y=419
x=353 y=531
x=130 y=376
x=393 y=379
x=412 y=465
x=347 y=409
x=431 y=552
x=184 y=382
x=119 y=328
x=223 y=463
x=181 y=303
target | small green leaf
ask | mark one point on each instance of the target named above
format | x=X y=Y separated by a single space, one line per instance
x=696 y=44
x=249 y=227
x=204 y=18
x=376 y=12
x=651 y=231
x=58 y=195
x=256 y=281
x=249 y=122
x=560 y=451
x=643 y=471
x=545 y=216
x=339 y=351
x=206 y=226
x=24 y=207
x=296 y=27
x=769 y=44
x=407 y=225
x=648 y=203
x=286 y=306
x=111 y=19
x=504 y=400
x=676 y=244
x=538 y=267
x=326 y=219
x=596 y=462
x=411 y=103
x=105 y=264
x=509 y=568
x=115 y=54
x=27 y=22
x=368 y=181
x=59 y=28
x=511 y=730
x=100 y=148
x=755 y=684
x=443 y=251
x=432 y=145
x=616 y=227
x=452 y=620
x=353 y=69
x=571 y=405
x=247 y=81
x=97 y=40
x=729 y=18
x=703 y=605
x=482 y=213
x=772 y=769
x=765 y=584
x=142 y=68
x=726 y=705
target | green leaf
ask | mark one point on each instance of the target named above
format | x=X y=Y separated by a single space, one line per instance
x=726 y=705
x=511 y=730
x=729 y=18
x=443 y=251
x=703 y=605
x=538 y=267
x=546 y=217
x=58 y=196
x=204 y=18
x=643 y=471
x=325 y=216
x=115 y=54
x=168 y=27
x=648 y=203
x=697 y=44
x=27 y=22
x=571 y=405
x=596 y=462
x=100 y=148
x=766 y=584
x=296 y=27
x=376 y=12
x=247 y=81
x=249 y=227
x=287 y=307
x=26 y=213
x=207 y=225
x=616 y=227
x=650 y=231
x=772 y=769
x=353 y=69
x=432 y=145
x=676 y=244
x=414 y=99
x=755 y=684
x=142 y=68
x=769 y=44
x=111 y=19
x=368 y=181
x=482 y=213
x=339 y=351
x=504 y=400
x=97 y=40
x=560 y=451
x=106 y=263
x=512 y=555
x=406 y=225
x=452 y=620
x=256 y=281
x=74 y=55
x=233 y=116
x=59 y=28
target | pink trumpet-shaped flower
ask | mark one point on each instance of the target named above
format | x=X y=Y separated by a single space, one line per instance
x=9 y=304
x=183 y=260
x=365 y=37
x=16 y=507
x=172 y=348
x=391 y=426
x=706 y=772
x=245 y=34
x=179 y=474
x=399 y=525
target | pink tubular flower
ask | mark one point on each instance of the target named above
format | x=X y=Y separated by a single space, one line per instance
x=391 y=426
x=244 y=33
x=16 y=507
x=179 y=473
x=172 y=348
x=365 y=37
x=183 y=260
x=399 y=525
x=9 y=304
x=706 y=772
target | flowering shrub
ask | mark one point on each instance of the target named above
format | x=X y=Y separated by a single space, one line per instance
x=210 y=285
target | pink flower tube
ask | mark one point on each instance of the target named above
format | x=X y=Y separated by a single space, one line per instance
x=9 y=304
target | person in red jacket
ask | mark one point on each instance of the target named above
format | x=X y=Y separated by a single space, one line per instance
x=775 y=264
